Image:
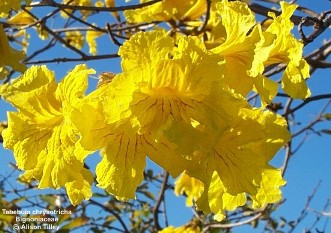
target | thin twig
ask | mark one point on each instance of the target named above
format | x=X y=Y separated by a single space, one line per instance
x=305 y=102
x=207 y=16
x=52 y=3
x=84 y=22
x=117 y=216
x=262 y=10
x=232 y=225
x=39 y=51
x=65 y=59
x=304 y=211
x=320 y=25
x=318 y=118
x=58 y=37
x=111 y=35
x=159 y=201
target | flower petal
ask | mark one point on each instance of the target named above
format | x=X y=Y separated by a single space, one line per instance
x=145 y=47
x=293 y=80
x=8 y=55
x=121 y=168
x=74 y=84
x=269 y=191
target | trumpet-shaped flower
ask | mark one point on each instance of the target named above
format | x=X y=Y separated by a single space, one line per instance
x=287 y=49
x=218 y=200
x=247 y=50
x=160 y=86
x=41 y=133
x=167 y=10
x=170 y=103
x=231 y=173
x=237 y=165
x=8 y=55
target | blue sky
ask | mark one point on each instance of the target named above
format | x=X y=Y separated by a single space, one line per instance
x=309 y=167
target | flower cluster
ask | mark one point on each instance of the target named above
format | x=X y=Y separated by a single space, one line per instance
x=245 y=46
x=179 y=100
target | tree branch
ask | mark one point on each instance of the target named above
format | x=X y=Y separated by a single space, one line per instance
x=262 y=10
x=52 y=3
x=159 y=201
x=308 y=100
x=236 y=224
x=312 y=123
x=65 y=59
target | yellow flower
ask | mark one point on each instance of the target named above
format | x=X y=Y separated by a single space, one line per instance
x=166 y=10
x=7 y=5
x=170 y=103
x=111 y=3
x=266 y=88
x=218 y=199
x=91 y=36
x=237 y=163
x=42 y=33
x=22 y=18
x=293 y=80
x=99 y=3
x=75 y=38
x=41 y=135
x=237 y=38
x=160 y=84
x=190 y=228
x=247 y=50
x=3 y=125
x=268 y=191
x=8 y=55
x=4 y=71
x=192 y=187
x=84 y=13
x=287 y=49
